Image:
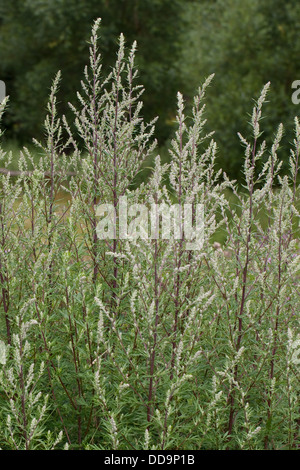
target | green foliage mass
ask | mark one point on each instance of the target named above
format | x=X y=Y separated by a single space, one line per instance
x=152 y=339
x=246 y=44
x=180 y=42
x=39 y=37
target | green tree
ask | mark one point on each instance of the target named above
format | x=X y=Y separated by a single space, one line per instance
x=246 y=44
x=40 y=37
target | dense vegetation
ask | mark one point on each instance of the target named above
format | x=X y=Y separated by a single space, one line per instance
x=180 y=42
x=144 y=343
x=39 y=37
x=245 y=44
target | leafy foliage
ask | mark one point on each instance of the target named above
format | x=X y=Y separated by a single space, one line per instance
x=245 y=44
x=121 y=343
x=39 y=37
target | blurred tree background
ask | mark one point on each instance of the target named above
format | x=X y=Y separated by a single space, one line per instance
x=180 y=42
x=246 y=44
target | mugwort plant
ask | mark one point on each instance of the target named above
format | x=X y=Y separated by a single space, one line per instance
x=161 y=315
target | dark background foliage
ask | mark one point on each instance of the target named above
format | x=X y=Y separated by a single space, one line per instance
x=180 y=42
